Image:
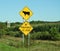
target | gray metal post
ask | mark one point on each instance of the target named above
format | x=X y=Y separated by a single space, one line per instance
x=23 y=41
x=28 y=42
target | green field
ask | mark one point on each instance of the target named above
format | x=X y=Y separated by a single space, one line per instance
x=38 y=45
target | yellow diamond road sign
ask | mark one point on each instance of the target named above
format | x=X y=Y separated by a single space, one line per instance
x=26 y=13
x=26 y=28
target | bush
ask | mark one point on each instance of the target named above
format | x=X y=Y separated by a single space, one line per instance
x=54 y=32
x=41 y=35
x=55 y=37
x=45 y=35
x=11 y=33
x=2 y=32
x=15 y=34
x=36 y=35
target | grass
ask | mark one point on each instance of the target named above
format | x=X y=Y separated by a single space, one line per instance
x=4 y=47
x=47 y=46
x=38 y=45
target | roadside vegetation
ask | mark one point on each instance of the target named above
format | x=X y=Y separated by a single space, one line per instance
x=44 y=36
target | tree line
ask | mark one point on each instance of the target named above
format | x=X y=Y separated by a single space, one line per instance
x=41 y=30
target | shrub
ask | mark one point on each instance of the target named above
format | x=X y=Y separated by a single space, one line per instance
x=36 y=35
x=2 y=32
x=45 y=35
x=54 y=33
x=14 y=33
x=41 y=35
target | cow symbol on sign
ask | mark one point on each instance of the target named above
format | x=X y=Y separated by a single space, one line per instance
x=26 y=13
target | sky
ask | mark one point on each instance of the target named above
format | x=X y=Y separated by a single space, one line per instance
x=43 y=10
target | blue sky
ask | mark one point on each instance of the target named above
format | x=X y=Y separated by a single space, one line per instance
x=43 y=10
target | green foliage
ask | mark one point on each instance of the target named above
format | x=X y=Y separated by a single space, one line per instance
x=41 y=30
x=41 y=35
x=2 y=25
x=13 y=31
x=54 y=33
x=36 y=35
x=2 y=32
x=15 y=34
x=45 y=35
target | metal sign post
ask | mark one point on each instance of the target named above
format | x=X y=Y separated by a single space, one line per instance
x=28 y=42
x=23 y=40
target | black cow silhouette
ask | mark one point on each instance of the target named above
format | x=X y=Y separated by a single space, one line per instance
x=26 y=13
